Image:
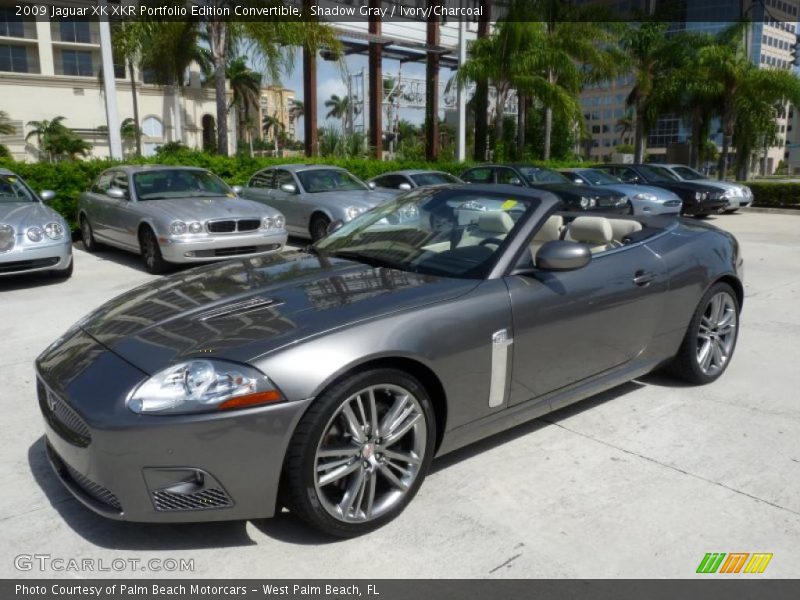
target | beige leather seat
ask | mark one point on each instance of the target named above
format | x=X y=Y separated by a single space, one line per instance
x=491 y=224
x=549 y=232
x=596 y=232
x=623 y=227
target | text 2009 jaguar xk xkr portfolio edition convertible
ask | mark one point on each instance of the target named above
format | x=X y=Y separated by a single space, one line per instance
x=326 y=381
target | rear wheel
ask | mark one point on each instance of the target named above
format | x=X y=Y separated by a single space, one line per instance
x=710 y=340
x=151 y=252
x=87 y=236
x=319 y=227
x=360 y=453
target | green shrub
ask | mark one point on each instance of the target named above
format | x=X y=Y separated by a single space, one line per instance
x=780 y=195
x=69 y=179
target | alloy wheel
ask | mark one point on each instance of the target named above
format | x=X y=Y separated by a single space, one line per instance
x=716 y=333
x=370 y=453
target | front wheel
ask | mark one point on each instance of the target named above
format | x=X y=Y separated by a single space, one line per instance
x=87 y=236
x=319 y=227
x=360 y=453
x=710 y=340
x=151 y=252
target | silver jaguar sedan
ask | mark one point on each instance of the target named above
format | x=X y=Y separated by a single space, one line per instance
x=175 y=215
x=409 y=179
x=33 y=237
x=311 y=197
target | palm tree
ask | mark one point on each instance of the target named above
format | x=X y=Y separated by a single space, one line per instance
x=127 y=37
x=268 y=41
x=6 y=128
x=44 y=131
x=341 y=108
x=625 y=126
x=296 y=110
x=55 y=139
x=271 y=123
x=246 y=87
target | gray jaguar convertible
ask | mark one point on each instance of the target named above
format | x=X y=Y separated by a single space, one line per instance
x=175 y=215
x=327 y=381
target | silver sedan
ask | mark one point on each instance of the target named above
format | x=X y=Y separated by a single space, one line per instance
x=645 y=199
x=175 y=215
x=311 y=197
x=409 y=179
x=737 y=194
x=33 y=237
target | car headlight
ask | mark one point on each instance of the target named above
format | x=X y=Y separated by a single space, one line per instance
x=276 y=222
x=645 y=196
x=35 y=234
x=588 y=202
x=353 y=211
x=195 y=227
x=700 y=195
x=178 y=228
x=54 y=231
x=200 y=386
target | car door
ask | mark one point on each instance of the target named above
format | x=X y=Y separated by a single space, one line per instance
x=259 y=186
x=291 y=204
x=122 y=221
x=572 y=325
x=96 y=205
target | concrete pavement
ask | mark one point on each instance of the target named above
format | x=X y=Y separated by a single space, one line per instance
x=641 y=481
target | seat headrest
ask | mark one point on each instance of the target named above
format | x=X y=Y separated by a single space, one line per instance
x=623 y=227
x=591 y=230
x=495 y=221
x=551 y=230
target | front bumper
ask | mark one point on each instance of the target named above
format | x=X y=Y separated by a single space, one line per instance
x=30 y=258
x=206 y=248
x=210 y=467
x=657 y=207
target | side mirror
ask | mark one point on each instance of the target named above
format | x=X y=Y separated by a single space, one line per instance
x=560 y=255
x=404 y=186
x=289 y=188
x=334 y=226
x=237 y=189
x=371 y=185
x=116 y=193
x=47 y=195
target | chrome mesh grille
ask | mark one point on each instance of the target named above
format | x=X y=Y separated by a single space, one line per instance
x=6 y=237
x=62 y=417
x=205 y=499
x=95 y=490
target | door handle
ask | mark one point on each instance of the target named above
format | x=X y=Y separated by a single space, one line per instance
x=643 y=278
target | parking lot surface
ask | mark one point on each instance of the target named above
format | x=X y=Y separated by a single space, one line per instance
x=640 y=481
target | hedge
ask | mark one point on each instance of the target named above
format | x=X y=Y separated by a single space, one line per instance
x=779 y=195
x=69 y=179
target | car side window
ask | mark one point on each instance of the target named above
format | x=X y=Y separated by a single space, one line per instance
x=480 y=175
x=628 y=175
x=505 y=175
x=120 y=181
x=262 y=179
x=103 y=182
x=281 y=178
x=390 y=181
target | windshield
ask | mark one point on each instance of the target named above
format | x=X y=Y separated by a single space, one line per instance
x=13 y=190
x=452 y=233
x=433 y=179
x=328 y=180
x=688 y=174
x=595 y=177
x=658 y=174
x=540 y=175
x=164 y=184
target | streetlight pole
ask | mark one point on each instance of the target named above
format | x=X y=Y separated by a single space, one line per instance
x=461 y=96
x=110 y=87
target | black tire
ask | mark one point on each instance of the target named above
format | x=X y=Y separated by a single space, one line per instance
x=63 y=273
x=686 y=364
x=299 y=484
x=87 y=236
x=701 y=215
x=153 y=262
x=319 y=227
x=730 y=211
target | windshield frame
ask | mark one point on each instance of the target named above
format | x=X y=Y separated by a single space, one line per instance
x=301 y=178
x=226 y=192
x=418 y=197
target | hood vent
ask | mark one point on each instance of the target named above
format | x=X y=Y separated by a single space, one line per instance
x=238 y=308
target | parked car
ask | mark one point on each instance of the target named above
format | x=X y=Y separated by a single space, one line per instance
x=575 y=197
x=33 y=237
x=645 y=199
x=699 y=199
x=311 y=197
x=336 y=375
x=736 y=194
x=175 y=215
x=410 y=179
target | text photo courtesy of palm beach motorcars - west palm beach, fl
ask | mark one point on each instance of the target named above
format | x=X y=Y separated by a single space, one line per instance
x=332 y=297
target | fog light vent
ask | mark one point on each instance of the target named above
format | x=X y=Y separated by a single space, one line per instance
x=208 y=498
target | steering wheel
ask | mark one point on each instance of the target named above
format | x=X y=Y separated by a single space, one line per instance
x=491 y=240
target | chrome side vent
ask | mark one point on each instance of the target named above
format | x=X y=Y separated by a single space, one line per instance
x=501 y=340
x=238 y=308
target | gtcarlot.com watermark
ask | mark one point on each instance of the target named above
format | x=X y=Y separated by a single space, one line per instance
x=47 y=563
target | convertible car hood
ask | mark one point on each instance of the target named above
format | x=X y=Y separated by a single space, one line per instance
x=21 y=215
x=188 y=209
x=242 y=309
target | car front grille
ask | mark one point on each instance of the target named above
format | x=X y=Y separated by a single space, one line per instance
x=672 y=203
x=87 y=486
x=62 y=417
x=6 y=237
x=233 y=226
x=235 y=251
x=27 y=265
x=203 y=500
